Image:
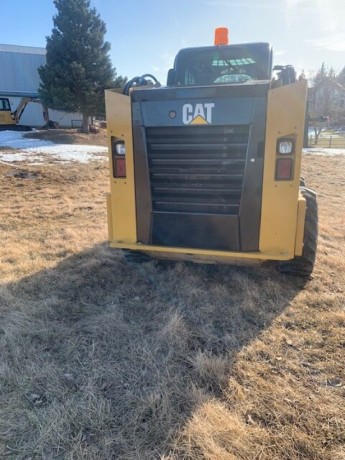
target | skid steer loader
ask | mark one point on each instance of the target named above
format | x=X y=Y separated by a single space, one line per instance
x=208 y=168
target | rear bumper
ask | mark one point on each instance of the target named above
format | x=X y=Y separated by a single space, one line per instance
x=201 y=255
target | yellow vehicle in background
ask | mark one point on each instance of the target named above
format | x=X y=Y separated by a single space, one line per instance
x=9 y=120
x=6 y=118
x=208 y=168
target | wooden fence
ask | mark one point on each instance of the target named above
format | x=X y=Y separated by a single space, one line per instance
x=330 y=141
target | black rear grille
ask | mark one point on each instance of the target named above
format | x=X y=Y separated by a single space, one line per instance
x=197 y=168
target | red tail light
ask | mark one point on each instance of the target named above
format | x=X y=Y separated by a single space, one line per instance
x=120 y=167
x=284 y=169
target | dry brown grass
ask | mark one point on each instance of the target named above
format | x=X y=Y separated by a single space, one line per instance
x=70 y=136
x=101 y=359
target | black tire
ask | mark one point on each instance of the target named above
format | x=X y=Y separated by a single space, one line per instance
x=301 y=182
x=303 y=265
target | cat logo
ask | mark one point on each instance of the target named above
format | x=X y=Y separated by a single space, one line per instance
x=201 y=114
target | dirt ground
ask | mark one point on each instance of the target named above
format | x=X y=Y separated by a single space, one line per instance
x=102 y=359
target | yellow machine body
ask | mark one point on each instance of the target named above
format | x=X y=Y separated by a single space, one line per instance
x=283 y=207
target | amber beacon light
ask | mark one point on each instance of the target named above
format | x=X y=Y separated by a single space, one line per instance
x=221 y=36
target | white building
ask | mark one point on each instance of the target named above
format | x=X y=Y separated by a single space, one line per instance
x=19 y=77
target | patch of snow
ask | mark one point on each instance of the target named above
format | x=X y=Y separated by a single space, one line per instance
x=68 y=152
x=40 y=151
x=16 y=140
x=43 y=154
x=326 y=152
x=12 y=157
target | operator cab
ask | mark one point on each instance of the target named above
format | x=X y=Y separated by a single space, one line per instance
x=5 y=104
x=217 y=65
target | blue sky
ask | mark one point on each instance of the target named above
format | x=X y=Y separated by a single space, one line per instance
x=146 y=35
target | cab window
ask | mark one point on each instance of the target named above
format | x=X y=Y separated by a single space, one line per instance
x=5 y=104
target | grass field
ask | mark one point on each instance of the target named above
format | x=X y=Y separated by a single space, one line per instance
x=101 y=359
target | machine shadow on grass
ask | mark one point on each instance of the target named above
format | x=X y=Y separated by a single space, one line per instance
x=107 y=359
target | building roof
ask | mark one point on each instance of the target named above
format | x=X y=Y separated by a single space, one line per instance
x=22 y=49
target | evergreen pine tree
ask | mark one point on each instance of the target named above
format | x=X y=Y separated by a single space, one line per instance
x=321 y=74
x=78 y=67
x=341 y=77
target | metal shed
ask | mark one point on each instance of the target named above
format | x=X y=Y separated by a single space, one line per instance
x=19 y=77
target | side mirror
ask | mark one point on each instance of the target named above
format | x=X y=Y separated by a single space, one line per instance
x=171 y=77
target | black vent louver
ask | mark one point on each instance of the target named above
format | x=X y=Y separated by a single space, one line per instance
x=197 y=169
